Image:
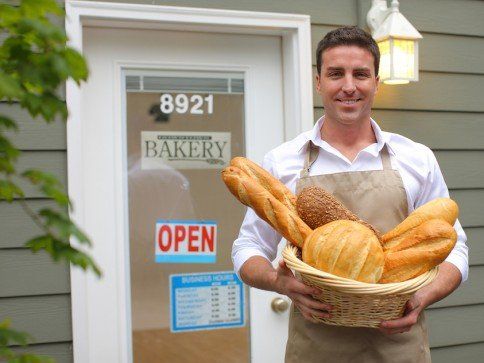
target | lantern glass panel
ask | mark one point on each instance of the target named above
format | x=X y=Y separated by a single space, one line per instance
x=385 y=58
x=403 y=59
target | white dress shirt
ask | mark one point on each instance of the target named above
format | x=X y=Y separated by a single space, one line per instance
x=420 y=172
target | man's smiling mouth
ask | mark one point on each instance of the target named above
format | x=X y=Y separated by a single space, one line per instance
x=349 y=101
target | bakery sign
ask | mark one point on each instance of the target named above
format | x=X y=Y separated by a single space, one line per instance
x=185 y=150
x=185 y=241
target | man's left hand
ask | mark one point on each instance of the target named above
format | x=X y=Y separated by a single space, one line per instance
x=447 y=280
x=413 y=308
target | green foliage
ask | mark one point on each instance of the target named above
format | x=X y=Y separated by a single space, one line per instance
x=35 y=61
x=10 y=337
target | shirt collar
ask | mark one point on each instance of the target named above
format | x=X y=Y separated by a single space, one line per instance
x=382 y=138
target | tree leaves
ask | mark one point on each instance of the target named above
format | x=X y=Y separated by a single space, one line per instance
x=35 y=61
x=61 y=250
x=9 y=337
x=48 y=185
x=9 y=190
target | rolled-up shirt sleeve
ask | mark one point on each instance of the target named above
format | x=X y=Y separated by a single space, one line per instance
x=256 y=237
x=436 y=187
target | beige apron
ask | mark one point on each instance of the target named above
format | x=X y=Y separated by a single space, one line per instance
x=378 y=197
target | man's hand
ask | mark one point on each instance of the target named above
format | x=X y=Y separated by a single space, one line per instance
x=286 y=284
x=447 y=280
x=413 y=308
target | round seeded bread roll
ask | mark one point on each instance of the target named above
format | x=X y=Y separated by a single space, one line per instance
x=347 y=249
x=317 y=207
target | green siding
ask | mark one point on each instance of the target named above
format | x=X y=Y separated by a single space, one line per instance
x=46 y=318
x=61 y=352
x=34 y=135
x=469 y=293
x=17 y=227
x=460 y=17
x=475 y=237
x=456 y=325
x=459 y=353
x=53 y=162
x=24 y=273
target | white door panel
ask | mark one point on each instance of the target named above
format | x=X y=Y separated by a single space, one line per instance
x=109 y=52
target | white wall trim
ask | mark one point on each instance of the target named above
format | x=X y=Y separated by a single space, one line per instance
x=298 y=114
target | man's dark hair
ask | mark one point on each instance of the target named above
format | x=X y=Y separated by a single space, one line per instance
x=348 y=35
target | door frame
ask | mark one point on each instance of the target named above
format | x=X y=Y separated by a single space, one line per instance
x=298 y=115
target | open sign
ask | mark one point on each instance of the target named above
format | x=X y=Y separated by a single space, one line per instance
x=185 y=241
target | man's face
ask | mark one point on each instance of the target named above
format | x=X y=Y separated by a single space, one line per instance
x=347 y=84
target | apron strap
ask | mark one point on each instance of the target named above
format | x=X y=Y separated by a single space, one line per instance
x=311 y=156
x=312 y=152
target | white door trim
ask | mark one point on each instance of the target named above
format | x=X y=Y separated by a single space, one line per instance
x=298 y=115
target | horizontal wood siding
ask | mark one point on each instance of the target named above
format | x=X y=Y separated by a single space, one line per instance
x=475 y=242
x=52 y=162
x=17 y=226
x=60 y=352
x=46 y=318
x=469 y=293
x=456 y=325
x=471 y=352
x=34 y=134
x=23 y=273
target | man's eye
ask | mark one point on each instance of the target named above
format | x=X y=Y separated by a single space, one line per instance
x=361 y=75
x=335 y=74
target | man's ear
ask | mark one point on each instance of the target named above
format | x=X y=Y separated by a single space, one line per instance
x=377 y=83
x=318 y=83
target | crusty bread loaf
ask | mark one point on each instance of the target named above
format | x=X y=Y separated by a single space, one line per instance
x=441 y=208
x=317 y=207
x=249 y=192
x=266 y=180
x=425 y=247
x=347 y=249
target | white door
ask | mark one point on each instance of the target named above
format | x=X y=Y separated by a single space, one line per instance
x=188 y=102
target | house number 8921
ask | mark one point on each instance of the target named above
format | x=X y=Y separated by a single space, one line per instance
x=181 y=103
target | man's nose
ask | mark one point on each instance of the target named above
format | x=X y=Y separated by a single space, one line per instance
x=349 y=85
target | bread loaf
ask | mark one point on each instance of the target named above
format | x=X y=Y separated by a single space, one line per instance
x=266 y=206
x=267 y=181
x=347 y=249
x=425 y=247
x=441 y=208
x=317 y=207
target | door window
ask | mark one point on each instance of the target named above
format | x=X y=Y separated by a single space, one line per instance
x=182 y=129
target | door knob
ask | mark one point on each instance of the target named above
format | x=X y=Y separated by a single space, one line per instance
x=279 y=305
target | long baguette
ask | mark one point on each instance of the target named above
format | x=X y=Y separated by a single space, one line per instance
x=266 y=180
x=266 y=206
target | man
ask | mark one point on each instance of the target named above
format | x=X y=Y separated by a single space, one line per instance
x=381 y=177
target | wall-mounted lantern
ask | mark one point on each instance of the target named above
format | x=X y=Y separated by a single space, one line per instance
x=397 y=40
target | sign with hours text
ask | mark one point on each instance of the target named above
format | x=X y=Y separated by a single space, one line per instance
x=185 y=241
x=185 y=150
x=206 y=301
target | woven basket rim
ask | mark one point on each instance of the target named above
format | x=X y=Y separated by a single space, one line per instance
x=352 y=286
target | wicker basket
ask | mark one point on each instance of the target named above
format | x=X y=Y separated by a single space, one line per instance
x=356 y=303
